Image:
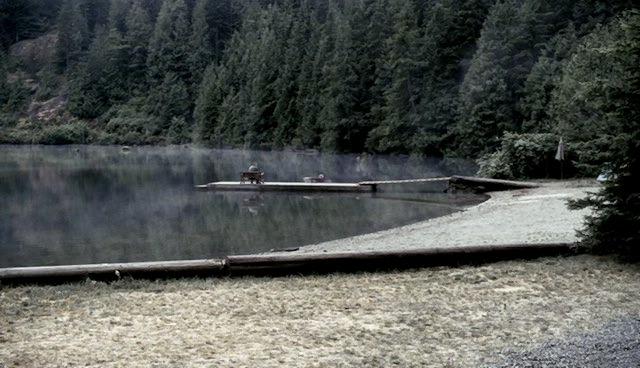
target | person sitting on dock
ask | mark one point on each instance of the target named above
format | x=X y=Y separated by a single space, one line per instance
x=253 y=175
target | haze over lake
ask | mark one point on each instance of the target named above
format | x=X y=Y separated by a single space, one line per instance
x=91 y=204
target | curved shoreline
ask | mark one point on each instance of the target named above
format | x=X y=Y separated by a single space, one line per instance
x=524 y=216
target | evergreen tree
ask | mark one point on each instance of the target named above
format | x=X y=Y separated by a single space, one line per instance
x=73 y=35
x=488 y=94
x=317 y=53
x=171 y=104
x=372 y=26
x=451 y=30
x=24 y=19
x=403 y=71
x=168 y=61
x=139 y=30
x=492 y=90
x=211 y=94
x=101 y=81
x=211 y=26
x=96 y=13
x=168 y=48
x=613 y=54
x=4 y=88
x=295 y=33
x=543 y=79
x=338 y=99
x=200 y=42
x=117 y=20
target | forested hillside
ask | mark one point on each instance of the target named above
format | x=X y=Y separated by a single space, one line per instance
x=434 y=77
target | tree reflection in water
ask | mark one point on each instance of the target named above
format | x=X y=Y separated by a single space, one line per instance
x=87 y=204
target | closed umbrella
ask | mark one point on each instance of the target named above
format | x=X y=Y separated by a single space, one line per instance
x=560 y=156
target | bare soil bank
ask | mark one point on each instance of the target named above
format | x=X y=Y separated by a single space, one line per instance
x=460 y=317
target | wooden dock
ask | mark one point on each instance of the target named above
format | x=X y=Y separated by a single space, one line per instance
x=285 y=187
x=478 y=185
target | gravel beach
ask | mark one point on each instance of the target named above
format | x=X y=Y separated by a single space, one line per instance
x=538 y=215
x=615 y=345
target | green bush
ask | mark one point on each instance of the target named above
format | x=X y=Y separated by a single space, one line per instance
x=49 y=84
x=71 y=133
x=7 y=121
x=22 y=131
x=128 y=124
x=523 y=156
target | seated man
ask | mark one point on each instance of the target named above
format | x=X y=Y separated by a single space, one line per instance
x=253 y=175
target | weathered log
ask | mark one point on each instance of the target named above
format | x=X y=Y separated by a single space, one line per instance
x=355 y=261
x=283 y=264
x=112 y=271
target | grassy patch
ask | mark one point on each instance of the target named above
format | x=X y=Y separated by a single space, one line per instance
x=457 y=317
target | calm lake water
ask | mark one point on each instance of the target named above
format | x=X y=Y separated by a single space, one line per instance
x=87 y=204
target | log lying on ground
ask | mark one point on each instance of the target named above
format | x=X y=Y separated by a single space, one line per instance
x=113 y=271
x=357 y=261
x=284 y=264
x=483 y=185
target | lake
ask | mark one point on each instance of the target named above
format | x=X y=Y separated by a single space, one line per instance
x=95 y=204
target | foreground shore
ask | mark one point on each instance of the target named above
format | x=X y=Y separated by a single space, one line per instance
x=452 y=317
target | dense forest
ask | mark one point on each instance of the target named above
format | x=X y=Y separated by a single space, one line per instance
x=433 y=77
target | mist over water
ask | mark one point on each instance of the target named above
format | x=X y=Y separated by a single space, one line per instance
x=89 y=204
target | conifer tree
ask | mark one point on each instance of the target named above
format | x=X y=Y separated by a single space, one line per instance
x=4 y=90
x=338 y=98
x=101 y=81
x=210 y=96
x=404 y=71
x=613 y=54
x=451 y=29
x=200 y=43
x=295 y=32
x=73 y=35
x=168 y=63
x=96 y=13
x=139 y=30
x=317 y=53
x=543 y=79
x=117 y=20
x=372 y=26
x=169 y=48
x=171 y=104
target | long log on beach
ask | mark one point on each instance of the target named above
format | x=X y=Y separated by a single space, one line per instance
x=355 y=261
x=283 y=264
x=113 y=271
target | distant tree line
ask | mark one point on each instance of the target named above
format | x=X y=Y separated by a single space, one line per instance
x=433 y=77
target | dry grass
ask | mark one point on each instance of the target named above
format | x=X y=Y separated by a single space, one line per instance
x=434 y=317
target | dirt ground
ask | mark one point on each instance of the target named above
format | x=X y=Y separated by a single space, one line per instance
x=439 y=317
